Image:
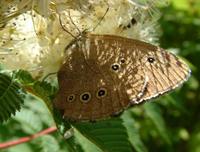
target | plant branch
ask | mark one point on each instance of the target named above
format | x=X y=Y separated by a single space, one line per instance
x=27 y=139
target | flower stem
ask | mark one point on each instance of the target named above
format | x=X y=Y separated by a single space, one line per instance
x=28 y=138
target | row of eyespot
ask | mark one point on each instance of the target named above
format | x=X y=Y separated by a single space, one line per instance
x=116 y=66
x=86 y=96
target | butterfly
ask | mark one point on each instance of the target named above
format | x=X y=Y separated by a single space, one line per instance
x=105 y=74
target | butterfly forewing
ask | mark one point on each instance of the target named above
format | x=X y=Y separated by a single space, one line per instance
x=162 y=70
x=104 y=74
x=165 y=74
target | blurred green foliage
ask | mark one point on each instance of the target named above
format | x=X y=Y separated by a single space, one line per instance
x=169 y=124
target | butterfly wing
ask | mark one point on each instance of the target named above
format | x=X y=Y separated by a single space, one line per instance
x=90 y=88
x=105 y=74
x=163 y=70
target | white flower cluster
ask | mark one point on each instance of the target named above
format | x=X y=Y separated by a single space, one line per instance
x=34 y=33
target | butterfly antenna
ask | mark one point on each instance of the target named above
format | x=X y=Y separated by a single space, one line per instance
x=74 y=23
x=102 y=17
x=65 y=28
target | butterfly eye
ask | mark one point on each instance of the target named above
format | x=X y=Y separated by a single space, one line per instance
x=102 y=92
x=150 y=59
x=85 y=97
x=71 y=98
x=115 y=67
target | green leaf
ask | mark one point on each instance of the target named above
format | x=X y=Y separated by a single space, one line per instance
x=24 y=77
x=11 y=97
x=133 y=132
x=153 y=112
x=194 y=141
x=108 y=135
x=45 y=89
x=181 y=4
x=74 y=145
x=63 y=126
x=34 y=116
x=42 y=89
x=30 y=121
x=19 y=148
x=176 y=102
x=48 y=144
x=45 y=143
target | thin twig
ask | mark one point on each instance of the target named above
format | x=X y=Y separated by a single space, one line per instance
x=28 y=138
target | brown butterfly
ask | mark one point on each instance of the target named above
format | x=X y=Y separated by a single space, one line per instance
x=105 y=74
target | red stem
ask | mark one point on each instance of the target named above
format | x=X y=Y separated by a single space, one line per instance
x=27 y=139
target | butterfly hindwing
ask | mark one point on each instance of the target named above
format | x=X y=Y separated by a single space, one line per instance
x=105 y=74
x=91 y=72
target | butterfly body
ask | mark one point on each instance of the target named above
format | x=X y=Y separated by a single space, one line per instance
x=104 y=74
